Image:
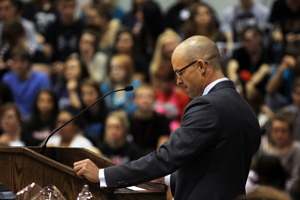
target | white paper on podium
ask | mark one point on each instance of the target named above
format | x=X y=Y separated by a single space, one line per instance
x=134 y=188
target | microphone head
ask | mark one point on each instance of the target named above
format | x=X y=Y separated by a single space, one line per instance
x=128 y=88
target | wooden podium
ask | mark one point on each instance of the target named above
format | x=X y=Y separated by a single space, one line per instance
x=20 y=166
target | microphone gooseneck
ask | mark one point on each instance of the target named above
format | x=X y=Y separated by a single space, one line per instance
x=127 y=88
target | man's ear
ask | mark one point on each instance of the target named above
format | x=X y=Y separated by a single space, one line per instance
x=201 y=66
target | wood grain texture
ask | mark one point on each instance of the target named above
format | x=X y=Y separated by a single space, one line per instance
x=21 y=166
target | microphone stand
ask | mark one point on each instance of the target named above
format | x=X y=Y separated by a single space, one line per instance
x=127 y=88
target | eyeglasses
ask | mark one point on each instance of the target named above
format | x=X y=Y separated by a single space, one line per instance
x=180 y=72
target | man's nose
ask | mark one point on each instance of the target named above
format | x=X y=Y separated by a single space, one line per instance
x=179 y=81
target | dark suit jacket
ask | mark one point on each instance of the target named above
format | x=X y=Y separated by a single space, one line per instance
x=209 y=155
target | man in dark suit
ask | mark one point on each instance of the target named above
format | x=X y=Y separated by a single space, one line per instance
x=209 y=156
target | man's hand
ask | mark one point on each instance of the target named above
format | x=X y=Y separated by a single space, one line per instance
x=87 y=169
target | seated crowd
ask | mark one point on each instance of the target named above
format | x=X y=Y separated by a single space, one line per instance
x=57 y=57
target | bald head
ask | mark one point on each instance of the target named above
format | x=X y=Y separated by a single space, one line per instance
x=196 y=61
x=199 y=47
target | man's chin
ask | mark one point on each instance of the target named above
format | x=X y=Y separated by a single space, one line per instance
x=190 y=95
x=193 y=96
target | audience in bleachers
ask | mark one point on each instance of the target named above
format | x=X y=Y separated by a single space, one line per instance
x=101 y=48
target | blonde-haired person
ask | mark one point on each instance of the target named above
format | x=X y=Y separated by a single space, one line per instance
x=121 y=71
x=165 y=45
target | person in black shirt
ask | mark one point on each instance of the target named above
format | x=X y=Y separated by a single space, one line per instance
x=63 y=34
x=285 y=16
x=115 y=145
x=148 y=128
x=42 y=120
x=249 y=66
x=41 y=13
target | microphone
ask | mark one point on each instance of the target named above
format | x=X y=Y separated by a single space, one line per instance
x=127 y=88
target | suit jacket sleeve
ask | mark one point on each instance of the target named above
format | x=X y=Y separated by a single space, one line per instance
x=198 y=130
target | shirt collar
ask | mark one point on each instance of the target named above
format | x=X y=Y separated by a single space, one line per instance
x=211 y=85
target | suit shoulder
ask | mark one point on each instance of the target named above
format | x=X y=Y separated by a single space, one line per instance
x=199 y=104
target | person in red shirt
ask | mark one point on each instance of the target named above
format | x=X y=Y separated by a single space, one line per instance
x=170 y=100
